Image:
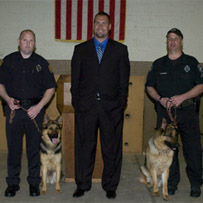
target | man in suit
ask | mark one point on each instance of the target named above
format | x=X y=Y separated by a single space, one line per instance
x=99 y=87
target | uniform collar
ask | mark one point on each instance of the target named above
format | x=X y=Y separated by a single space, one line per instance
x=20 y=56
x=181 y=58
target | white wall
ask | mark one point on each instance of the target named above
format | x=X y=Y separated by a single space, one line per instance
x=147 y=22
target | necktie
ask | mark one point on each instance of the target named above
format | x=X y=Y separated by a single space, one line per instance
x=99 y=52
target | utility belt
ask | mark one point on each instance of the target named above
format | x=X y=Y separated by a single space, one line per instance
x=187 y=102
x=28 y=102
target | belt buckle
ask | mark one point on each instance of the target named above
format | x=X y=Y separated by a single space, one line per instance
x=24 y=102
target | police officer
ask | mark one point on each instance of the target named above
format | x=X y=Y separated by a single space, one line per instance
x=26 y=82
x=177 y=80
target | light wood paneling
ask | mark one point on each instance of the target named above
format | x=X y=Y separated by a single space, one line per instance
x=133 y=118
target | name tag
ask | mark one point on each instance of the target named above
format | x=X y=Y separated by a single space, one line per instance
x=163 y=73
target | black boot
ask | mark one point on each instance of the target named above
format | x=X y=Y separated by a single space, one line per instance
x=78 y=193
x=34 y=190
x=11 y=190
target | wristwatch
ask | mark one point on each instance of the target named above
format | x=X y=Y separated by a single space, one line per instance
x=159 y=99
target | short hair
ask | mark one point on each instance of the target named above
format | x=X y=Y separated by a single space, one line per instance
x=103 y=14
x=27 y=30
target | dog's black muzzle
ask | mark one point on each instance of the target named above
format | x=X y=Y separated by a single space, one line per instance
x=53 y=136
x=174 y=146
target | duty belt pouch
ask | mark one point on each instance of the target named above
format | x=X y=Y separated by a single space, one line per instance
x=187 y=102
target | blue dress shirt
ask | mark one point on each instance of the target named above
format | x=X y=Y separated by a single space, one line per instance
x=104 y=43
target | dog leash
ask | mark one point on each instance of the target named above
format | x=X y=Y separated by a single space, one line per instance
x=168 y=109
x=12 y=114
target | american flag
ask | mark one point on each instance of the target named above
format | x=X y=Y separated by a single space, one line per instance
x=75 y=18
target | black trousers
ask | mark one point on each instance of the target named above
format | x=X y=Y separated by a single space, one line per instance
x=22 y=124
x=86 y=128
x=188 y=126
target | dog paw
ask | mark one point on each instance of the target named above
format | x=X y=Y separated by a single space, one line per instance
x=155 y=194
x=43 y=192
x=166 y=197
x=58 y=191
x=148 y=185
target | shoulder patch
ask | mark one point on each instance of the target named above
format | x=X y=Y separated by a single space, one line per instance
x=200 y=68
x=50 y=69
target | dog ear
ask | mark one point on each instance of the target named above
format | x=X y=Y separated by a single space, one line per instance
x=46 y=119
x=163 y=124
x=59 y=121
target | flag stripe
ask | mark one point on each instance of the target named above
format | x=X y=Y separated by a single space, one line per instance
x=106 y=6
x=117 y=20
x=68 y=11
x=95 y=8
x=112 y=16
x=122 y=20
x=101 y=5
x=63 y=19
x=84 y=19
x=90 y=19
x=58 y=19
x=75 y=18
x=79 y=20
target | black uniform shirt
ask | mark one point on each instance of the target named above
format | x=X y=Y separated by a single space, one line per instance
x=174 y=77
x=26 y=78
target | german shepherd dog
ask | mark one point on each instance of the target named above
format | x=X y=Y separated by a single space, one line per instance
x=51 y=152
x=158 y=158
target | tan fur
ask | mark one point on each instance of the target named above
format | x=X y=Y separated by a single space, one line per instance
x=51 y=161
x=158 y=159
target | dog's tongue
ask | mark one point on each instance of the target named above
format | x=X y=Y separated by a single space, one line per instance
x=54 y=140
